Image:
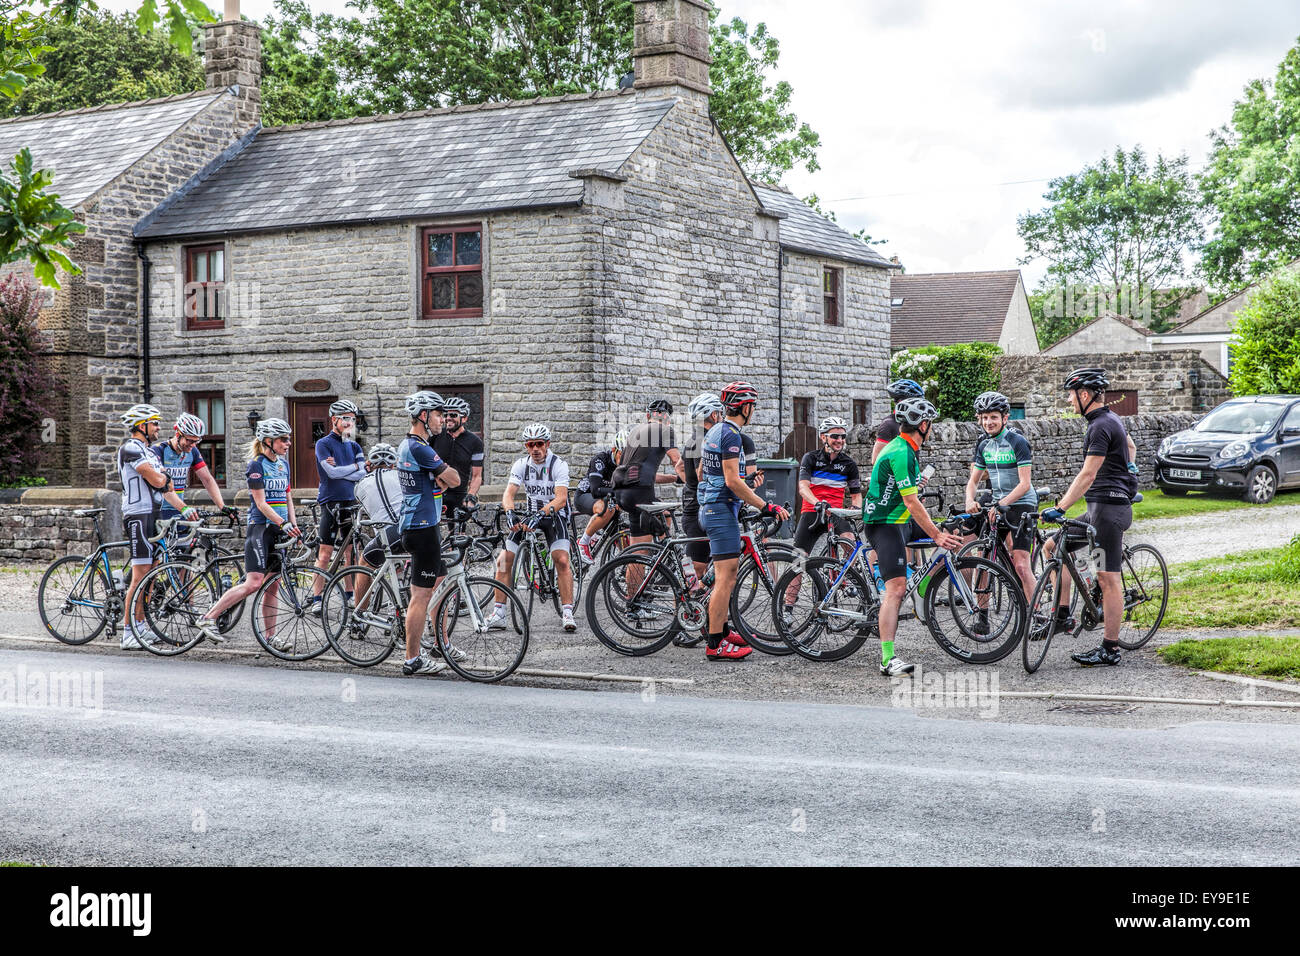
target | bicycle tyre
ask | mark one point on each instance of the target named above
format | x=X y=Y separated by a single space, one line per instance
x=362 y=642
x=456 y=635
x=233 y=563
x=1002 y=585
x=1042 y=619
x=62 y=583
x=609 y=617
x=1128 y=570
x=314 y=641
x=753 y=618
x=820 y=637
x=176 y=596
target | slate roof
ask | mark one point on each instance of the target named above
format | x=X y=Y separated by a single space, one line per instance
x=89 y=148
x=805 y=230
x=946 y=308
x=440 y=162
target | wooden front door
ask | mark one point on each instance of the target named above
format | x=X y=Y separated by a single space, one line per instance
x=1123 y=402
x=310 y=420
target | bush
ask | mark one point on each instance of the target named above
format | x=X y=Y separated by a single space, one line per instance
x=25 y=481
x=1266 y=339
x=952 y=375
x=21 y=381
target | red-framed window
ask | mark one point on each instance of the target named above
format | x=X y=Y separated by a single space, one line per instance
x=205 y=278
x=452 y=279
x=831 y=282
x=210 y=408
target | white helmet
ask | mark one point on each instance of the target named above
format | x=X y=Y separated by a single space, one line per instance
x=423 y=401
x=273 y=428
x=383 y=454
x=832 y=422
x=620 y=440
x=457 y=405
x=535 y=431
x=704 y=405
x=343 y=407
x=139 y=414
x=191 y=426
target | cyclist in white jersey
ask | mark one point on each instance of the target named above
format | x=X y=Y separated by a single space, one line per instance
x=380 y=496
x=544 y=478
x=145 y=486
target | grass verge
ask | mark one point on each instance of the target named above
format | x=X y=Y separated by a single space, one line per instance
x=1252 y=656
x=1248 y=589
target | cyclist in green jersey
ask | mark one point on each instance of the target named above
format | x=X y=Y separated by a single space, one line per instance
x=891 y=499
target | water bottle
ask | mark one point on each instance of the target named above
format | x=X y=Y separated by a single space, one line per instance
x=118 y=583
x=546 y=556
x=688 y=569
x=226 y=581
x=880 y=582
x=1083 y=561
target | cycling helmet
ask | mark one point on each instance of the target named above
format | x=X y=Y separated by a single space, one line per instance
x=343 y=407
x=620 y=440
x=191 y=426
x=537 y=431
x=660 y=405
x=829 y=423
x=992 y=402
x=1093 y=379
x=273 y=428
x=423 y=401
x=457 y=405
x=139 y=414
x=913 y=411
x=905 y=388
x=738 y=394
x=704 y=405
x=383 y=454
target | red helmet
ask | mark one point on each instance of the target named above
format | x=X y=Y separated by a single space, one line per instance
x=737 y=394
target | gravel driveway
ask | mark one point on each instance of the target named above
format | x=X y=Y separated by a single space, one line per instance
x=1206 y=535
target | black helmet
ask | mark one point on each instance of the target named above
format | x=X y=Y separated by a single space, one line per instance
x=1093 y=379
x=992 y=402
x=660 y=405
x=905 y=388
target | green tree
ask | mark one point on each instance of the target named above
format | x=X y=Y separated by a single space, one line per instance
x=401 y=55
x=1120 y=226
x=23 y=382
x=952 y=375
x=1251 y=186
x=34 y=225
x=1266 y=339
x=101 y=58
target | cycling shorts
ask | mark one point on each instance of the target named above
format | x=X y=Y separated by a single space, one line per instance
x=695 y=550
x=335 y=517
x=888 y=542
x=721 y=523
x=1021 y=539
x=389 y=538
x=584 y=503
x=810 y=529
x=260 y=556
x=640 y=523
x=1110 y=520
x=554 y=527
x=424 y=545
x=140 y=528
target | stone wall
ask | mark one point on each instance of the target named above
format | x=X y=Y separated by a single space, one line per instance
x=39 y=524
x=1057 y=445
x=1163 y=380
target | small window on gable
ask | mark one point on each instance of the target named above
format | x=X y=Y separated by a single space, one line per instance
x=832 y=280
x=452 y=280
x=205 y=281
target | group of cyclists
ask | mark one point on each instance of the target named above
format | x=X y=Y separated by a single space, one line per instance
x=439 y=466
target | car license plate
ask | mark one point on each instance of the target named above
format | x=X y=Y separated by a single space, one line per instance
x=1184 y=473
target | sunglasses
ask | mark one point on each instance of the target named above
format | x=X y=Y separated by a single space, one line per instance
x=534 y=444
x=838 y=437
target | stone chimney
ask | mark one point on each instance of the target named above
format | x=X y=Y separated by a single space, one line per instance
x=232 y=56
x=670 y=46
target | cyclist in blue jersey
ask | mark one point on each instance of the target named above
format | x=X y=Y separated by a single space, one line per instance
x=340 y=464
x=270 y=517
x=721 y=492
x=179 y=454
x=423 y=476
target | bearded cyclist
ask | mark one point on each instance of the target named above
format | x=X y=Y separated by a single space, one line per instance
x=722 y=491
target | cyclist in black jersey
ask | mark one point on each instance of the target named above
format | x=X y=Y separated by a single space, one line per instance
x=637 y=473
x=887 y=430
x=462 y=450
x=594 y=494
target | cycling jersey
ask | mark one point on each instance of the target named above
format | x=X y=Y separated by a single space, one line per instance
x=177 y=464
x=646 y=446
x=540 y=481
x=831 y=479
x=464 y=453
x=1106 y=436
x=1002 y=456
x=723 y=442
x=380 y=494
x=138 y=496
x=418 y=466
x=598 y=474
x=893 y=476
x=887 y=430
x=338 y=481
x=271 y=477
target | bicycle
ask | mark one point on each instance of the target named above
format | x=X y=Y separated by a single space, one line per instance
x=534 y=568
x=844 y=607
x=365 y=634
x=1144 y=578
x=990 y=542
x=657 y=602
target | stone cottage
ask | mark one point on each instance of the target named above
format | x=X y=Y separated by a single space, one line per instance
x=561 y=259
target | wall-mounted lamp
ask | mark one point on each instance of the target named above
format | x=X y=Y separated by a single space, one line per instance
x=362 y=424
x=253 y=418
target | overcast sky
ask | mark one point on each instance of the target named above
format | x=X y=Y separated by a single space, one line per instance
x=925 y=106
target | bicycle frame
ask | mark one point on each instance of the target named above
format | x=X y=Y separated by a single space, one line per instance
x=860 y=551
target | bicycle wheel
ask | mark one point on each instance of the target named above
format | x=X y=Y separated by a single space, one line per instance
x=975 y=609
x=1146 y=594
x=523 y=580
x=807 y=620
x=751 y=601
x=283 y=622
x=647 y=624
x=1042 y=618
x=175 y=598
x=229 y=564
x=473 y=651
x=365 y=634
x=612 y=544
x=74 y=599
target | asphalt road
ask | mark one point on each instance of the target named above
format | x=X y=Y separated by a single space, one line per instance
x=193 y=761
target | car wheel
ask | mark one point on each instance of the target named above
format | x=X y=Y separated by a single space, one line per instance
x=1261 y=485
